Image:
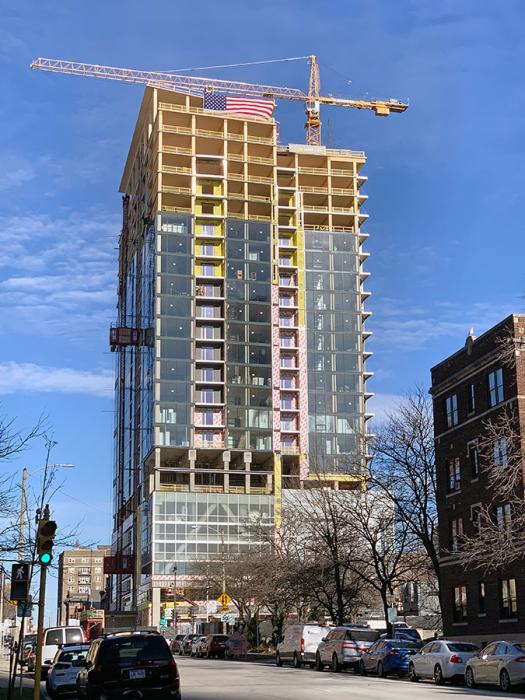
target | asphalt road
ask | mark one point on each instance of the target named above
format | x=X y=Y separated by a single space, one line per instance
x=204 y=679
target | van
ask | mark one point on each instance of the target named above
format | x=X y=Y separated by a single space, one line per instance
x=300 y=642
x=54 y=637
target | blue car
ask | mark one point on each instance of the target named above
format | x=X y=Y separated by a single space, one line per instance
x=388 y=657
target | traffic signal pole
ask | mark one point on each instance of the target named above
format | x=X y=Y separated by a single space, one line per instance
x=40 y=632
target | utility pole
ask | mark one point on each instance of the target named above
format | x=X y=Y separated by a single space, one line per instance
x=21 y=531
x=175 y=600
x=46 y=529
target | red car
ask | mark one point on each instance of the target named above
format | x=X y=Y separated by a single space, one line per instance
x=215 y=646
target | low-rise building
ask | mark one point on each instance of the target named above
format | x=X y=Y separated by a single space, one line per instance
x=471 y=388
x=81 y=581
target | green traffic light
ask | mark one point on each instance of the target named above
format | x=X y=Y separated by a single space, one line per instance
x=45 y=558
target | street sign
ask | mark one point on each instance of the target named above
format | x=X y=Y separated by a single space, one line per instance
x=224 y=599
x=19 y=581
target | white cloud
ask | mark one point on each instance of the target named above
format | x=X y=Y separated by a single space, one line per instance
x=401 y=326
x=26 y=377
x=59 y=274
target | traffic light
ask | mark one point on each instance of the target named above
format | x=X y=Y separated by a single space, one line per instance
x=45 y=538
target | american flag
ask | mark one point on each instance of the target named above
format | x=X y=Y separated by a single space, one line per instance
x=251 y=106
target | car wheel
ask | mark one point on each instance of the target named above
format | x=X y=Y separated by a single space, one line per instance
x=319 y=666
x=469 y=678
x=297 y=663
x=412 y=673
x=336 y=666
x=504 y=681
x=278 y=659
x=362 y=669
x=381 y=670
x=438 y=675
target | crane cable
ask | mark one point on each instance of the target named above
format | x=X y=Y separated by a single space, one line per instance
x=237 y=65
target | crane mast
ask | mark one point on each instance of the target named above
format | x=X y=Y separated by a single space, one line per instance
x=197 y=85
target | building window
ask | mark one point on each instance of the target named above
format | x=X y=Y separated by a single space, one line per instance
x=287 y=341
x=475 y=516
x=496 y=387
x=287 y=383
x=207 y=270
x=481 y=598
x=460 y=603
x=208 y=437
x=508 y=607
x=207 y=417
x=287 y=402
x=287 y=361
x=71 y=560
x=451 y=405
x=456 y=532
x=84 y=589
x=503 y=517
x=473 y=458
x=500 y=452
x=286 y=320
x=71 y=579
x=208 y=249
x=98 y=570
x=285 y=261
x=471 y=398
x=454 y=475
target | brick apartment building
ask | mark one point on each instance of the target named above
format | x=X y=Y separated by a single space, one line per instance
x=469 y=388
x=81 y=580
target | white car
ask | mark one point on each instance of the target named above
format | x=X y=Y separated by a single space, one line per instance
x=196 y=646
x=441 y=660
x=62 y=676
x=499 y=663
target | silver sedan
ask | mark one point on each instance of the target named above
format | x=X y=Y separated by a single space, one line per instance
x=499 y=663
x=442 y=660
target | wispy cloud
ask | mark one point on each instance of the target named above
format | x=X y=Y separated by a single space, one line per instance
x=26 y=377
x=398 y=325
x=58 y=273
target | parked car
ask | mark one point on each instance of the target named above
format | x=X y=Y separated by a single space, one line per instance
x=176 y=643
x=62 y=676
x=55 y=637
x=499 y=663
x=387 y=657
x=134 y=664
x=28 y=652
x=442 y=660
x=343 y=646
x=196 y=646
x=186 y=644
x=214 y=646
x=299 y=644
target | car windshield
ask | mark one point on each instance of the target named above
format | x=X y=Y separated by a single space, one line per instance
x=402 y=644
x=75 y=658
x=462 y=646
x=363 y=635
x=519 y=646
x=128 y=650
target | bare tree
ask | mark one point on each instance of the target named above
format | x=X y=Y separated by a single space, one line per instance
x=384 y=554
x=403 y=466
x=13 y=442
x=497 y=536
x=322 y=540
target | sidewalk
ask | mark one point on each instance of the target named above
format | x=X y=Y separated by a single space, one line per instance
x=27 y=681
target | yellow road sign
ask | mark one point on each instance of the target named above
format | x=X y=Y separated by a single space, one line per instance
x=224 y=599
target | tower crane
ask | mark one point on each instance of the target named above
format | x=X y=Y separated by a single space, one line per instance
x=199 y=85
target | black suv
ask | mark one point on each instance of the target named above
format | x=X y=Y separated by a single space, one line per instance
x=131 y=664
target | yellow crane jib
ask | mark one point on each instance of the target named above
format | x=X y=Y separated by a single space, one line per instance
x=198 y=85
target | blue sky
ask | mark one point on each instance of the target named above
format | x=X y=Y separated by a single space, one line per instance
x=445 y=184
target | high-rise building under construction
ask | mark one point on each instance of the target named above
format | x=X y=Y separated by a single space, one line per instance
x=240 y=335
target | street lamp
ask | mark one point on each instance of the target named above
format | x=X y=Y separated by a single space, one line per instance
x=25 y=474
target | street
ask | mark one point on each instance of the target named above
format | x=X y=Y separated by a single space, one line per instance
x=204 y=679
